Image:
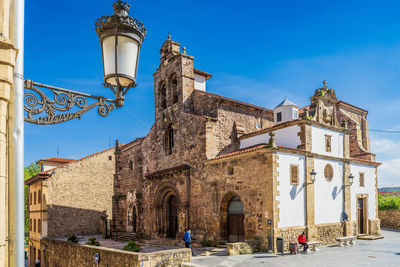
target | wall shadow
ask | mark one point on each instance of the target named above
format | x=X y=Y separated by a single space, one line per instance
x=65 y=221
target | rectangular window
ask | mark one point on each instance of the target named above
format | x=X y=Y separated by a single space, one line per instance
x=34 y=225
x=30 y=198
x=39 y=196
x=131 y=164
x=294 y=174
x=30 y=224
x=278 y=116
x=34 y=198
x=362 y=181
x=39 y=227
x=295 y=114
x=328 y=143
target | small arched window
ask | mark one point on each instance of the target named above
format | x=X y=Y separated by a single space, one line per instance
x=174 y=90
x=163 y=96
x=169 y=139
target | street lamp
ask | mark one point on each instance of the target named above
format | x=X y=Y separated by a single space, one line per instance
x=121 y=38
x=351 y=179
x=313 y=174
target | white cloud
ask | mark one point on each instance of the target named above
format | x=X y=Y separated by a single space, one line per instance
x=385 y=147
x=389 y=173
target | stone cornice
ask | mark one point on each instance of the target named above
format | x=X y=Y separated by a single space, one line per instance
x=280 y=149
x=291 y=123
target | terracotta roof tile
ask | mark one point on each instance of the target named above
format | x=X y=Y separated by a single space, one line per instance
x=57 y=160
x=202 y=73
x=241 y=151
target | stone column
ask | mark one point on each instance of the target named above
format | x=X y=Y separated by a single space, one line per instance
x=348 y=226
x=7 y=62
x=309 y=199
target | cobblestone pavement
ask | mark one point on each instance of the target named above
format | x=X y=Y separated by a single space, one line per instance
x=382 y=252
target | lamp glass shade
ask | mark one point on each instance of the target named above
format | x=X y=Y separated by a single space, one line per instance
x=351 y=179
x=120 y=57
x=312 y=175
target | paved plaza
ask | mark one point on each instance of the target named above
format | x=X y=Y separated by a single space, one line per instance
x=381 y=252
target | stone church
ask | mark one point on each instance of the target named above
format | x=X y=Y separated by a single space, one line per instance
x=233 y=171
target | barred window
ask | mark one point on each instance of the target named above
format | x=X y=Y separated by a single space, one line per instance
x=169 y=139
x=278 y=116
x=294 y=174
x=362 y=181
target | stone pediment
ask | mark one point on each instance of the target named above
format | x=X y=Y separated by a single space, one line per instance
x=322 y=108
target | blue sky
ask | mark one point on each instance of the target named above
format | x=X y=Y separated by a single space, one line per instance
x=257 y=51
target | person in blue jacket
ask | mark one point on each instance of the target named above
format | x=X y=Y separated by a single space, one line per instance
x=187 y=238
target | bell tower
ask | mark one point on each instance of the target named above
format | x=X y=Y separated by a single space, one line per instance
x=173 y=80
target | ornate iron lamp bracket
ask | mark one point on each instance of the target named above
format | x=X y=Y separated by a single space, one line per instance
x=37 y=103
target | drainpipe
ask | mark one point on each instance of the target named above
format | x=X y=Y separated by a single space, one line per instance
x=16 y=141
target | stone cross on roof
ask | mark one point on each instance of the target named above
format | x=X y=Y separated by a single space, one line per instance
x=325 y=84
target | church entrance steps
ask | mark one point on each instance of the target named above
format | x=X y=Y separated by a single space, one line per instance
x=209 y=251
x=125 y=237
x=370 y=237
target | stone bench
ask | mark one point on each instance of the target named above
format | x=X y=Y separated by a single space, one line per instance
x=313 y=245
x=346 y=240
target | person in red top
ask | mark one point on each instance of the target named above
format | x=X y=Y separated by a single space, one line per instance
x=302 y=241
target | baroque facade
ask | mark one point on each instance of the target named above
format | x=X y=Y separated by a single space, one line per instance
x=69 y=197
x=233 y=171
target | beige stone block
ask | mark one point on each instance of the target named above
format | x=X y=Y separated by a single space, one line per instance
x=3 y=117
x=5 y=91
x=3 y=156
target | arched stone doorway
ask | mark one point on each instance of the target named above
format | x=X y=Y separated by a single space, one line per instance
x=232 y=218
x=172 y=217
x=168 y=206
x=132 y=219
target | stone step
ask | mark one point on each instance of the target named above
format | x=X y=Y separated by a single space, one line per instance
x=125 y=237
x=370 y=237
x=189 y=264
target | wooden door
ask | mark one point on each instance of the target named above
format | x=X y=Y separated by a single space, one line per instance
x=172 y=214
x=360 y=215
x=235 y=220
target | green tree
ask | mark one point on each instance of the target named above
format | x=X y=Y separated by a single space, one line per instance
x=388 y=202
x=29 y=171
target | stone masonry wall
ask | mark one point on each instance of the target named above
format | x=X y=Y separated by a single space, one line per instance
x=233 y=121
x=79 y=193
x=249 y=181
x=66 y=254
x=389 y=218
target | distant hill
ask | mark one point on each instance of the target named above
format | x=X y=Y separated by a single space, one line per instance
x=386 y=189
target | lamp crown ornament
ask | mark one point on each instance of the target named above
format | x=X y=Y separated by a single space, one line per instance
x=121 y=20
x=121 y=8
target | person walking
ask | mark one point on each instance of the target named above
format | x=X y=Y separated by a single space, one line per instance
x=37 y=262
x=302 y=241
x=187 y=237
